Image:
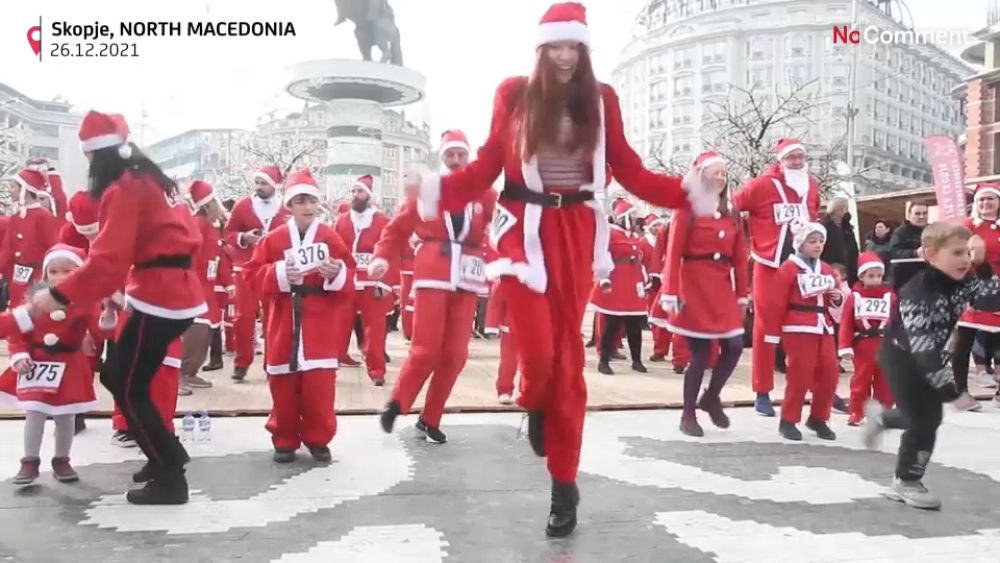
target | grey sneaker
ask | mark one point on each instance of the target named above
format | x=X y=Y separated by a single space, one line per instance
x=183 y=390
x=986 y=381
x=912 y=493
x=195 y=382
x=872 y=428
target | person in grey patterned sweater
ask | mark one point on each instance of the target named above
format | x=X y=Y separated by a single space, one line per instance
x=914 y=353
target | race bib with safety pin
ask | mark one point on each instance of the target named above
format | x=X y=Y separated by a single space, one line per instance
x=44 y=376
x=811 y=285
x=785 y=213
x=473 y=269
x=307 y=258
x=502 y=223
x=871 y=308
x=213 y=269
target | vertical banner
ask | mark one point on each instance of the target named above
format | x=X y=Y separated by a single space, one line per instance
x=949 y=177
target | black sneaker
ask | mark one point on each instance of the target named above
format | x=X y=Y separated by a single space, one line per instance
x=679 y=370
x=283 y=456
x=170 y=487
x=431 y=435
x=821 y=429
x=213 y=365
x=388 y=417
x=321 y=454
x=638 y=367
x=605 y=368
x=239 y=374
x=146 y=474
x=123 y=439
x=79 y=423
x=789 y=431
x=657 y=358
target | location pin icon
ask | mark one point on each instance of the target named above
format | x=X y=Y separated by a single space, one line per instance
x=34 y=39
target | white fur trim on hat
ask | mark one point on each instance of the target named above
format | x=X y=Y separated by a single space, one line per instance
x=65 y=254
x=85 y=230
x=203 y=201
x=983 y=191
x=790 y=148
x=363 y=186
x=870 y=266
x=804 y=231
x=563 y=31
x=301 y=189
x=712 y=160
x=101 y=142
x=454 y=145
x=262 y=176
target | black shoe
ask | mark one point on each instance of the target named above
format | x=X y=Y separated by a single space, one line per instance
x=79 y=424
x=214 y=364
x=321 y=454
x=713 y=406
x=638 y=367
x=239 y=374
x=788 y=431
x=379 y=382
x=605 y=368
x=589 y=344
x=536 y=432
x=679 y=370
x=562 y=515
x=617 y=356
x=387 y=358
x=283 y=456
x=148 y=472
x=431 y=435
x=657 y=358
x=821 y=429
x=840 y=405
x=169 y=487
x=389 y=415
x=690 y=426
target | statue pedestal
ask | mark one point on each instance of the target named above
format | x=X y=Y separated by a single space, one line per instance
x=357 y=92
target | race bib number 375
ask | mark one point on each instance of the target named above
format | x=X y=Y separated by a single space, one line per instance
x=308 y=257
x=811 y=285
x=44 y=376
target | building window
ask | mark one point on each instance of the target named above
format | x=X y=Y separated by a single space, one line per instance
x=839 y=74
x=762 y=77
x=893 y=115
x=760 y=48
x=797 y=75
x=49 y=153
x=683 y=86
x=892 y=142
x=878 y=139
x=714 y=81
x=798 y=45
x=683 y=114
x=879 y=110
x=713 y=52
x=683 y=58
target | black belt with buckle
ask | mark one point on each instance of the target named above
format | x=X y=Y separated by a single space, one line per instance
x=177 y=261
x=710 y=257
x=57 y=348
x=870 y=333
x=629 y=260
x=518 y=192
x=806 y=308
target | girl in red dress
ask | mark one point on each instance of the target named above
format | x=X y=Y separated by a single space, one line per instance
x=705 y=293
x=50 y=375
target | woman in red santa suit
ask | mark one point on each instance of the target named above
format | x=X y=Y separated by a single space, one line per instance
x=146 y=242
x=706 y=294
x=557 y=136
x=620 y=298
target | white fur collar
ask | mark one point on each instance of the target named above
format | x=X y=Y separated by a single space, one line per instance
x=362 y=220
x=265 y=209
x=977 y=222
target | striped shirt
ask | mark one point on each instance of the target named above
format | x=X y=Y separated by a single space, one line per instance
x=559 y=167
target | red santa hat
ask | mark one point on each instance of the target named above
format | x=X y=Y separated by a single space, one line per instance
x=564 y=21
x=102 y=130
x=986 y=188
x=366 y=183
x=270 y=174
x=786 y=146
x=34 y=181
x=200 y=193
x=83 y=213
x=707 y=158
x=651 y=219
x=869 y=260
x=301 y=183
x=64 y=252
x=622 y=208
x=453 y=139
x=803 y=230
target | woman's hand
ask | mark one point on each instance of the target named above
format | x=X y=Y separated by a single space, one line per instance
x=42 y=303
x=23 y=366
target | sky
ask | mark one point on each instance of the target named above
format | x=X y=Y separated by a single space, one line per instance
x=463 y=47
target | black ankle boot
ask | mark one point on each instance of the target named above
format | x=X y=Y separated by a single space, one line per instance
x=147 y=473
x=536 y=432
x=169 y=487
x=389 y=415
x=562 y=515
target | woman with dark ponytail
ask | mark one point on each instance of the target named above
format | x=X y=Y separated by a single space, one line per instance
x=146 y=240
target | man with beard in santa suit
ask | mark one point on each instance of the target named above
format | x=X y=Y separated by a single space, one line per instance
x=251 y=219
x=449 y=271
x=783 y=196
x=361 y=228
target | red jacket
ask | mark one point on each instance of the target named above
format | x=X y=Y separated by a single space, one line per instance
x=25 y=243
x=445 y=259
x=989 y=231
x=147 y=224
x=69 y=235
x=58 y=196
x=706 y=275
x=516 y=228
x=266 y=271
x=866 y=313
x=628 y=278
x=772 y=206
x=208 y=265
x=248 y=215
x=361 y=241
x=788 y=305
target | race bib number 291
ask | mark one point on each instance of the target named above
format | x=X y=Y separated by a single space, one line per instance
x=785 y=213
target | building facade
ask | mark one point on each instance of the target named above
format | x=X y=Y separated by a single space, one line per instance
x=32 y=128
x=687 y=54
x=978 y=94
x=216 y=156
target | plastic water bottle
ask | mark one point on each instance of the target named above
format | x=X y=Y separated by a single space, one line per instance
x=187 y=428
x=204 y=428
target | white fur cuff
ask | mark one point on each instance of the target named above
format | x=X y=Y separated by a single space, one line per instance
x=772 y=339
x=23 y=318
x=376 y=263
x=430 y=196
x=844 y=352
x=281 y=274
x=337 y=283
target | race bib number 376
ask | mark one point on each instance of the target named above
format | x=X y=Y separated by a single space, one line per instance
x=308 y=257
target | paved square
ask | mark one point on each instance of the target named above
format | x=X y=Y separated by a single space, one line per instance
x=648 y=494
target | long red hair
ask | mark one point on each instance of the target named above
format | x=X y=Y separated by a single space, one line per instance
x=546 y=98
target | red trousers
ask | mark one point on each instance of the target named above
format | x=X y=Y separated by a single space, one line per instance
x=373 y=311
x=868 y=379
x=302 y=409
x=229 y=314
x=762 y=353
x=507 y=368
x=406 y=304
x=163 y=391
x=812 y=367
x=546 y=330
x=441 y=347
x=494 y=312
x=245 y=323
x=661 y=341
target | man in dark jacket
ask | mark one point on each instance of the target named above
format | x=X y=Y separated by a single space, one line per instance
x=841 y=244
x=903 y=259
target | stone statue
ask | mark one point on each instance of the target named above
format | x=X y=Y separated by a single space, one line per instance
x=374 y=25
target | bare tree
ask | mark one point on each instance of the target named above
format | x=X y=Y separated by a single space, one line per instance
x=289 y=153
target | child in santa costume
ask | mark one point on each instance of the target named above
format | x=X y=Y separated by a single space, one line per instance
x=50 y=374
x=866 y=312
x=32 y=231
x=551 y=231
x=302 y=271
x=799 y=304
x=706 y=293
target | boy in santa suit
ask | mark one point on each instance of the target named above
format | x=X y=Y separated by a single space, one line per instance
x=56 y=197
x=449 y=272
x=866 y=312
x=302 y=270
x=360 y=228
x=33 y=229
x=781 y=196
x=801 y=295
x=251 y=219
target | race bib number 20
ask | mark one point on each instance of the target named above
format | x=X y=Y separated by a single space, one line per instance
x=473 y=269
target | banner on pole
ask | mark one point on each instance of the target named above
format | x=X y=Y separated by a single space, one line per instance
x=949 y=177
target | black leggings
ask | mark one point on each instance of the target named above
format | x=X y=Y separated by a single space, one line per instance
x=920 y=411
x=633 y=332
x=964 y=340
x=137 y=357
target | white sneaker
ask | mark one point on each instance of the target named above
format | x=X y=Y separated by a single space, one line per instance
x=996 y=400
x=506 y=399
x=872 y=427
x=986 y=380
x=913 y=493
